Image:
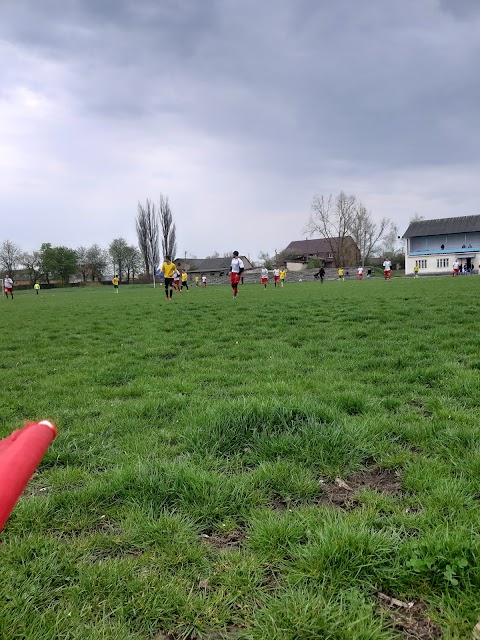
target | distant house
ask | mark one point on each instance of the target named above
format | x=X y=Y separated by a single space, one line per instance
x=209 y=266
x=301 y=251
x=434 y=245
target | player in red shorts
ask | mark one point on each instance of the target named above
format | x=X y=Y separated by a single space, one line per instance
x=264 y=277
x=360 y=273
x=236 y=271
x=8 y=286
x=276 y=276
x=387 y=268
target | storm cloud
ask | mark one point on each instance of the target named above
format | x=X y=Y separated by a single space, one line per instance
x=240 y=111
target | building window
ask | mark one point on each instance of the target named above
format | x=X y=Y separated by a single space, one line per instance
x=330 y=255
x=442 y=263
x=421 y=264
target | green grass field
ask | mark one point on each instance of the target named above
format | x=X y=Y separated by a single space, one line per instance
x=258 y=469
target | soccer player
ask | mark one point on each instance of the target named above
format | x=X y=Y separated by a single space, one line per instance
x=197 y=280
x=341 y=274
x=283 y=274
x=8 y=286
x=387 y=269
x=415 y=271
x=184 y=279
x=276 y=275
x=204 y=280
x=176 y=281
x=168 y=270
x=36 y=286
x=236 y=270
x=264 y=276
x=115 y=283
x=360 y=273
x=455 y=267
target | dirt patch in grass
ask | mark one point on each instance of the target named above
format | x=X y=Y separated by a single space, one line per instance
x=421 y=407
x=229 y=634
x=231 y=540
x=104 y=525
x=409 y=618
x=117 y=552
x=341 y=493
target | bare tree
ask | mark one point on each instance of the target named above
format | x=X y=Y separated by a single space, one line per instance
x=391 y=245
x=97 y=260
x=133 y=262
x=332 y=218
x=416 y=218
x=10 y=256
x=33 y=265
x=82 y=259
x=265 y=259
x=148 y=235
x=366 y=233
x=118 y=251
x=215 y=254
x=167 y=228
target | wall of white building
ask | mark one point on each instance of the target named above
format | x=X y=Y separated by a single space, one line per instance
x=437 y=264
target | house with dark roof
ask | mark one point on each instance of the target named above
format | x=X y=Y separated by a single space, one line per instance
x=326 y=249
x=209 y=266
x=434 y=245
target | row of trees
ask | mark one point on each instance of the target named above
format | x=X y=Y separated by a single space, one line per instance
x=337 y=218
x=153 y=223
x=60 y=263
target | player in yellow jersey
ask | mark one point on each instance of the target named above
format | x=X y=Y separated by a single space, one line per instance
x=184 y=276
x=168 y=269
x=283 y=273
x=341 y=274
x=416 y=269
x=115 y=283
x=197 y=281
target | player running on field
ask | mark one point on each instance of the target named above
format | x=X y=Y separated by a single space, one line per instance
x=204 y=280
x=176 y=280
x=416 y=269
x=360 y=273
x=456 y=268
x=283 y=275
x=276 y=275
x=341 y=274
x=8 y=286
x=236 y=270
x=387 y=269
x=115 y=283
x=264 y=277
x=168 y=270
x=184 y=279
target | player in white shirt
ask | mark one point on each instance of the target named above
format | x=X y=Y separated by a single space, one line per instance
x=176 y=281
x=276 y=276
x=387 y=268
x=204 y=280
x=360 y=273
x=236 y=270
x=8 y=286
x=264 y=277
x=456 y=268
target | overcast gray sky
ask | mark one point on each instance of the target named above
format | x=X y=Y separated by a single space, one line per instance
x=238 y=110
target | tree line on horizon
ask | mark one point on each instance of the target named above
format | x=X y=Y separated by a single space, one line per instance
x=60 y=263
x=333 y=217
